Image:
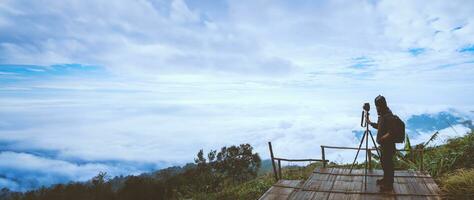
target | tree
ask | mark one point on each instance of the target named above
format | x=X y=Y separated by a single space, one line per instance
x=233 y=164
x=143 y=188
x=238 y=162
x=101 y=187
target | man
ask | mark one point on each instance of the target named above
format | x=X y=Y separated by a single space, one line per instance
x=386 y=141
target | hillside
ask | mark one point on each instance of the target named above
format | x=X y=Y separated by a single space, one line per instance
x=237 y=172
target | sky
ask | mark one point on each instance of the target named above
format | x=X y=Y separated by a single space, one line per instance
x=128 y=87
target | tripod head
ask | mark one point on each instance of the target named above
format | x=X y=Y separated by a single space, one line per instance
x=365 y=115
x=366 y=107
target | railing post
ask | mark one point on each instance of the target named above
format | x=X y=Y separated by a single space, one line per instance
x=323 y=155
x=279 y=169
x=370 y=159
x=422 y=166
x=273 y=162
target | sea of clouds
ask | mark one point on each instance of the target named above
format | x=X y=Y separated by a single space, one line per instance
x=132 y=86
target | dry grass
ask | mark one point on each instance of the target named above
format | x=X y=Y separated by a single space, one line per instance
x=458 y=185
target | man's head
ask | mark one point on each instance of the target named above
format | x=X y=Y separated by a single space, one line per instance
x=380 y=103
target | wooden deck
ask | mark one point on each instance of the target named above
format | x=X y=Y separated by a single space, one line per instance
x=332 y=183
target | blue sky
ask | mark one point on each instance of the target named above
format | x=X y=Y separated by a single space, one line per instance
x=132 y=86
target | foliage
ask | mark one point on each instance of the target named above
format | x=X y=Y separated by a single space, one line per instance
x=459 y=185
x=144 y=188
x=252 y=189
x=221 y=175
x=455 y=154
x=231 y=165
x=295 y=172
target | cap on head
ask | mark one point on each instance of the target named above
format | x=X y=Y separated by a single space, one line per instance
x=380 y=101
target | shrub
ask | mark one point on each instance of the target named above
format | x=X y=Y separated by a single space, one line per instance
x=458 y=185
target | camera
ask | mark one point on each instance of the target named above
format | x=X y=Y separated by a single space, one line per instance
x=366 y=107
x=365 y=115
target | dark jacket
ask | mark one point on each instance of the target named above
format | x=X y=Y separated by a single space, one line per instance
x=382 y=125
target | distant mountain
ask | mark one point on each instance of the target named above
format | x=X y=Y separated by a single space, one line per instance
x=265 y=167
x=429 y=123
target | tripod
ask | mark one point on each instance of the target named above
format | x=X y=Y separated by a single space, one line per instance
x=367 y=133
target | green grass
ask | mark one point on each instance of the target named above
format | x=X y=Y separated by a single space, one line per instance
x=252 y=189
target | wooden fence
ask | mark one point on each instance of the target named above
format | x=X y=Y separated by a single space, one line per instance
x=277 y=172
x=277 y=169
x=323 y=154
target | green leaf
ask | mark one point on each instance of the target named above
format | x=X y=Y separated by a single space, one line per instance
x=407 y=144
x=433 y=137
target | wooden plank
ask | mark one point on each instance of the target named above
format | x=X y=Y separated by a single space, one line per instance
x=399 y=188
x=357 y=172
x=328 y=186
x=357 y=184
x=433 y=188
x=302 y=195
x=290 y=183
x=409 y=186
x=332 y=185
x=269 y=196
x=372 y=187
x=323 y=170
x=376 y=172
x=315 y=181
x=320 y=195
x=403 y=198
x=336 y=196
x=371 y=197
x=422 y=188
x=352 y=197
x=339 y=186
x=282 y=189
x=274 y=193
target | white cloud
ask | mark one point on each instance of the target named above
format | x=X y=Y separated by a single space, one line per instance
x=180 y=12
x=22 y=171
x=173 y=37
x=182 y=75
x=443 y=136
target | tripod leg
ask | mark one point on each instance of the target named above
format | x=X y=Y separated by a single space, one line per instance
x=357 y=154
x=366 y=157
x=375 y=144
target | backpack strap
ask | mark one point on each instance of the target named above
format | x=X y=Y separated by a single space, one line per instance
x=387 y=115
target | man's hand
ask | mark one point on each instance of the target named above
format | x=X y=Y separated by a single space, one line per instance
x=374 y=125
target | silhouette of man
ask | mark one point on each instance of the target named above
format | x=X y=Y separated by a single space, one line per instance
x=386 y=141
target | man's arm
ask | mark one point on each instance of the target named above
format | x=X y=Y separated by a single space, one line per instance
x=373 y=124
x=386 y=137
x=384 y=130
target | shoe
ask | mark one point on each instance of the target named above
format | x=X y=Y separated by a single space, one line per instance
x=386 y=188
x=379 y=181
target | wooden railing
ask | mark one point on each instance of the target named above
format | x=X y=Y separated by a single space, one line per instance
x=323 y=154
x=277 y=169
x=277 y=172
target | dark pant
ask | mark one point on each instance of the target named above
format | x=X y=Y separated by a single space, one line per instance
x=388 y=151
